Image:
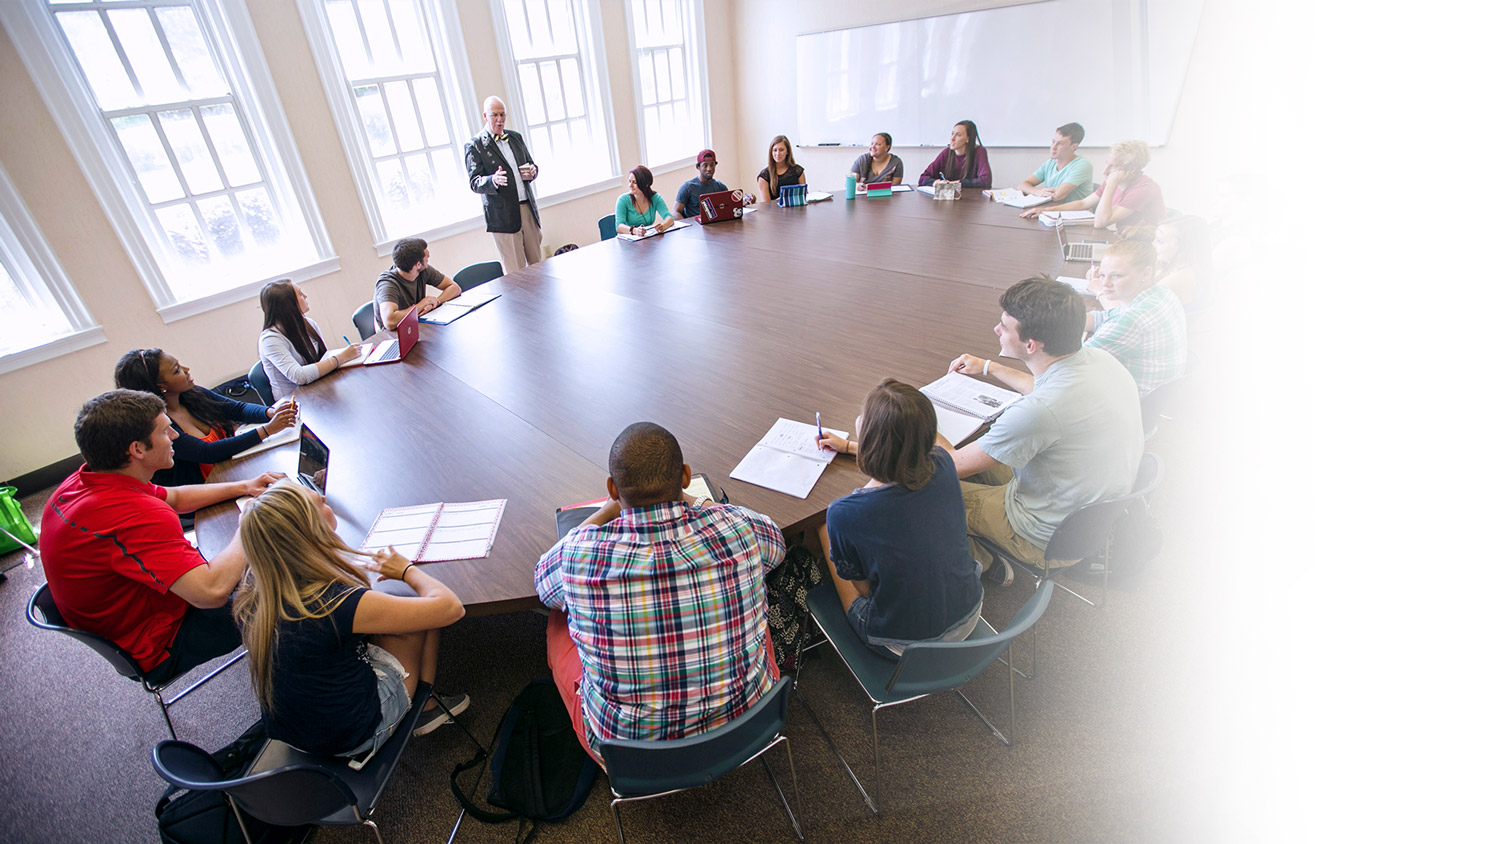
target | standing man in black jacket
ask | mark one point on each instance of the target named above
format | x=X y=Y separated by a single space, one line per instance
x=501 y=169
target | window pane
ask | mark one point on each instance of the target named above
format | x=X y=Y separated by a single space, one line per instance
x=663 y=75
x=404 y=114
x=191 y=52
x=419 y=177
x=679 y=79
x=378 y=33
x=648 y=80
x=101 y=64
x=531 y=93
x=541 y=27
x=260 y=216
x=148 y=157
x=187 y=142
x=229 y=142
x=564 y=39
x=572 y=81
x=40 y=320
x=520 y=31
x=552 y=91
x=430 y=105
x=377 y=125
x=223 y=226
x=415 y=53
x=183 y=234
x=447 y=172
x=144 y=51
x=393 y=182
x=346 y=36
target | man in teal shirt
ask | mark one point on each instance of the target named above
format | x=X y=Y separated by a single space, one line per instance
x=1066 y=176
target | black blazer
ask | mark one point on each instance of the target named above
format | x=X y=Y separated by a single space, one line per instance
x=502 y=206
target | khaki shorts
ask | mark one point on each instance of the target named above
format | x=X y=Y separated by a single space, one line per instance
x=984 y=509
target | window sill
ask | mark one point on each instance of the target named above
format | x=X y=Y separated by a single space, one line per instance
x=385 y=247
x=214 y=301
x=81 y=339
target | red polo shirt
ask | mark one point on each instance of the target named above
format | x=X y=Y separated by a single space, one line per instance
x=112 y=549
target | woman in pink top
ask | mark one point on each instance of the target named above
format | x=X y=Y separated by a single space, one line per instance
x=964 y=159
x=1128 y=196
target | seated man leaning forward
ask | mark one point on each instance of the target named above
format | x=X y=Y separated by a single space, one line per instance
x=404 y=285
x=113 y=548
x=1075 y=437
x=658 y=624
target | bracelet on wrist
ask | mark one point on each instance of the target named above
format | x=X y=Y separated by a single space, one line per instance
x=986 y=367
x=405 y=570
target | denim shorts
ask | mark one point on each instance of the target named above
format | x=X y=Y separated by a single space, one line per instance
x=859 y=619
x=390 y=685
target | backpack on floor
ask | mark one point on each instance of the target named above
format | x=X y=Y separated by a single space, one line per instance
x=204 y=817
x=538 y=770
x=786 y=605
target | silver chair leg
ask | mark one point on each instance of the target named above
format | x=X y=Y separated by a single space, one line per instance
x=244 y=830
x=373 y=828
x=162 y=705
x=875 y=746
x=614 y=809
x=796 y=827
x=835 y=748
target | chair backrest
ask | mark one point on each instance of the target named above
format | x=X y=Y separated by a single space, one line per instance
x=930 y=667
x=1085 y=530
x=364 y=320
x=289 y=796
x=607 y=227
x=260 y=382
x=476 y=274
x=651 y=767
x=1147 y=476
x=43 y=613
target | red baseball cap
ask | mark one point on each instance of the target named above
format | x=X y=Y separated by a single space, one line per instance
x=706 y=155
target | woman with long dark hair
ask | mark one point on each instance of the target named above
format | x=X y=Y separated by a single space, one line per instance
x=334 y=663
x=898 y=547
x=781 y=169
x=640 y=208
x=291 y=350
x=964 y=159
x=204 y=420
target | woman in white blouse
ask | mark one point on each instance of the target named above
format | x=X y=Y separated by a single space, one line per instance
x=291 y=349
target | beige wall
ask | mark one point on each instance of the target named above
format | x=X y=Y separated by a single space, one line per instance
x=752 y=92
x=767 y=102
x=41 y=400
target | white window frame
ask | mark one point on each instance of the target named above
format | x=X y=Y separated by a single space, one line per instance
x=231 y=36
x=36 y=271
x=453 y=77
x=695 y=70
x=595 y=84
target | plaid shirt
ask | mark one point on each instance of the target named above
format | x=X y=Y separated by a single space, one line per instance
x=1149 y=336
x=667 y=605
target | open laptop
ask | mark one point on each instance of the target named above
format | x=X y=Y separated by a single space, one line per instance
x=720 y=206
x=396 y=348
x=1080 y=250
x=312 y=461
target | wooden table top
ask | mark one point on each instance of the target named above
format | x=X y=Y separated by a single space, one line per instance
x=711 y=331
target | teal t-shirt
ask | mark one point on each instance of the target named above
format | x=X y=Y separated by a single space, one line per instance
x=625 y=213
x=1079 y=173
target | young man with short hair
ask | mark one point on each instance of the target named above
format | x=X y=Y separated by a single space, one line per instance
x=658 y=624
x=1145 y=327
x=1066 y=176
x=113 y=549
x=404 y=285
x=693 y=189
x=1075 y=437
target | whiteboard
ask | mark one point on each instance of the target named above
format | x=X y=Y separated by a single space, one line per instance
x=1020 y=71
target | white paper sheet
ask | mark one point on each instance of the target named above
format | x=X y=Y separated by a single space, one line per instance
x=787 y=459
x=969 y=395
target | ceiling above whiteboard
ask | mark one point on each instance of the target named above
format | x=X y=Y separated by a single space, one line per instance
x=1019 y=71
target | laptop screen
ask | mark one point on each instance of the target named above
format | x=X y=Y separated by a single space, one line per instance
x=312 y=462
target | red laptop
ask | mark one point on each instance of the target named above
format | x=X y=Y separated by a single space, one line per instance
x=721 y=206
x=393 y=350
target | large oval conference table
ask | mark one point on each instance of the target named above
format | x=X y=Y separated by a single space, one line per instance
x=711 y=331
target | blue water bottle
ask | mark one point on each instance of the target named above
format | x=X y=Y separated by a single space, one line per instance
x=849 y=186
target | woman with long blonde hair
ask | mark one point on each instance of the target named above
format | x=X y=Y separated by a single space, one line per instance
x=781 y=169
x=334 y=662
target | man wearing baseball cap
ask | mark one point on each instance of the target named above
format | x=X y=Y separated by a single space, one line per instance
x=692 y=189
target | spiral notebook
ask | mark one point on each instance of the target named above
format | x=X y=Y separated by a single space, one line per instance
x=431 y=533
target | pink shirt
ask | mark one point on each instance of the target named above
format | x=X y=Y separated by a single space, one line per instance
x=1143 y=196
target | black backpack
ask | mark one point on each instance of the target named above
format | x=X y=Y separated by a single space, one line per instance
x=204 y=817
x=538 y=770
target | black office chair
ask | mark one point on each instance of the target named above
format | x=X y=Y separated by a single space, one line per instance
x=364 y=320
x=42 y=612
x=286 y=787
x=476 y=274
x=261 y=383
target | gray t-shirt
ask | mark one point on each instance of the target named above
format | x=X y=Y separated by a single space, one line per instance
x=864 y=169
x=1075 y=440
x=391 y=287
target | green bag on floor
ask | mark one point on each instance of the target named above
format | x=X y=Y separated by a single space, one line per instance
x=13 y=521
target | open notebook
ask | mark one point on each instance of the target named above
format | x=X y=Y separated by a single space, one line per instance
x=430 y=533
x=787 y=459
x=963 y=404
